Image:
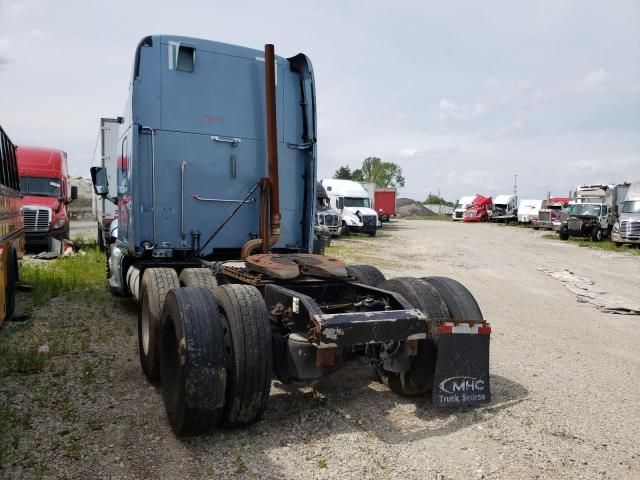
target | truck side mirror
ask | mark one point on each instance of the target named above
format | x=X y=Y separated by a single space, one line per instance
x=100 y=181
x=74 y=193
x=340 y=203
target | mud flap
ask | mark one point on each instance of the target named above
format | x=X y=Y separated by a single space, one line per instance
x=462 y=370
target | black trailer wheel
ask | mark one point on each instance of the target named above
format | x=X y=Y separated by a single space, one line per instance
x=418 y=380
x=460 y=302
x=366 y=274
x=596 y=234
x=563 y=233
x=10 y=287
x=198 y=278
x=249 y=353
x=156 y=284
x=192 y=361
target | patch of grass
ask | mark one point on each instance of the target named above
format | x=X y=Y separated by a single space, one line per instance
x=606 y=245
x=88 y=369
x=241 y=467
x=78 y=275
x=322 y=463
x=27 y=361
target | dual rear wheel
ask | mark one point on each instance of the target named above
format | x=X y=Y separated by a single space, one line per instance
x=212 y=345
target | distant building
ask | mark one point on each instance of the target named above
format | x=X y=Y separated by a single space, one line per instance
x=440 y=209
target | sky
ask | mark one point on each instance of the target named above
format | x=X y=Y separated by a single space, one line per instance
x=462 y=95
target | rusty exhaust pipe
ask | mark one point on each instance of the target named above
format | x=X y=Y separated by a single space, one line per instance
x=273 y=212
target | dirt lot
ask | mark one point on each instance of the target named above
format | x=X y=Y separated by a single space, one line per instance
x=565 y=380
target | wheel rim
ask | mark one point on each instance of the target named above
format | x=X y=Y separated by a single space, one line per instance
x=144 y=325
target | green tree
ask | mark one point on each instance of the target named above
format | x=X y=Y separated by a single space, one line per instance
x=344 y=173
x=436 y=200
x=383 y=174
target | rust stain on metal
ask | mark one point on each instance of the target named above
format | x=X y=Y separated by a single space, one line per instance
x=289 y=266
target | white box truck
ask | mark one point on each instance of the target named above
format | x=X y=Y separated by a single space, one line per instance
x=353 y=202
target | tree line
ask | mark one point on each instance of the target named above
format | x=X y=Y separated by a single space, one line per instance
x=382 y=174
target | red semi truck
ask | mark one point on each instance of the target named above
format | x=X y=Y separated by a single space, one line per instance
x=46 y=194
x=384 y=203
x=478 y=211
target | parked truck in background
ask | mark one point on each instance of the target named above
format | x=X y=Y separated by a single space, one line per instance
x=326 y=217
x=352 y=200
x=549 y=214
x=106 y=155
x=505 y=208
x=215 y=230
x=594 y=211
x=384 y=203
x=46 y=193
x=479 y=209
x=627 y=227
x=461 y=206
x=528 y=210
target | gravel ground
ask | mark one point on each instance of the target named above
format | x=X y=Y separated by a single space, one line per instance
x=565 y=381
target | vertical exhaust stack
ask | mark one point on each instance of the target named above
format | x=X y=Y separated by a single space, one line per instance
x=269 y=210
x=272 y=139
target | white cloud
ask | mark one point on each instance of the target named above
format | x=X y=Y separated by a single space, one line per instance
x=408 y=152
x=448 y=110
x=596 y=81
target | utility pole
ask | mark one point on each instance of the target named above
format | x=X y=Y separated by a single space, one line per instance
x=515 y=186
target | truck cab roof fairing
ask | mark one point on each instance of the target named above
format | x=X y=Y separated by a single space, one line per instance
x=212 y=118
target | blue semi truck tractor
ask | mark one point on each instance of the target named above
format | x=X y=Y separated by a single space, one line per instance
x=216 y=179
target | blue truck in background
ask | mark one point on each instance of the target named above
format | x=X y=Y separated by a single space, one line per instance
x=215 y=239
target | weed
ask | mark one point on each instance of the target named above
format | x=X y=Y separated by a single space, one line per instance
x=88 y=369
x=28 y=361
x=68 y=407
x=322 y=463
x=73 y=450
x=95 y=425
x=241 y=467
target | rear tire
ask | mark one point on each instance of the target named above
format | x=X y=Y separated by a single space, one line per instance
x=192 y=362
x=249 y=351
x=198 y=278
x=372 y=233
x=366 y=274
x=418 y=380
x=156 y=284
x=459 y=301
x=563 y=234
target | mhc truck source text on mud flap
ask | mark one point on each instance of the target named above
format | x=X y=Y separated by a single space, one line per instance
x=216 y=187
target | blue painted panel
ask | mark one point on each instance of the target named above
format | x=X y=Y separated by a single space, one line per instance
x=223 y=96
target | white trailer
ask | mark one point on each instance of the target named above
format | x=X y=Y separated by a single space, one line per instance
x=528 y=210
